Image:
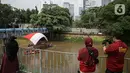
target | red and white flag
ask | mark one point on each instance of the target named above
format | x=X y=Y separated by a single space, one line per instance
x=35 y=37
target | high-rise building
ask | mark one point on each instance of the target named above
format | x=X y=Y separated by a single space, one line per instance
x=88 y=3
x=93 y=3
x=66 y=5
x=80 y=10
x=70 y=7
x=106 y=2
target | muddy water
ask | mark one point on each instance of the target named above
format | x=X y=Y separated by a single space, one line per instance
x=62 y=62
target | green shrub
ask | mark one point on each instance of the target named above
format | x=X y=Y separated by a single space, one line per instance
x=81 y=39
x=22 y=67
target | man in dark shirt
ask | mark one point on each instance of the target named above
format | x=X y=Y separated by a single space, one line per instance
x=10 y=62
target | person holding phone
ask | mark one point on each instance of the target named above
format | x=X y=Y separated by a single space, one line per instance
x=116 y=53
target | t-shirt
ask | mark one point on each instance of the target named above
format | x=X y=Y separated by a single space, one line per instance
x=84 y=57
x=116 y=52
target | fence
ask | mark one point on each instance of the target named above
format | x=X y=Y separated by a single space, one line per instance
x=49 y=61
x=46 y=61
x=20 y=31
x=84 y=30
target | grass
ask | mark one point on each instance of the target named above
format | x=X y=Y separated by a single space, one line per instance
x=81 y=39
x=98 y=38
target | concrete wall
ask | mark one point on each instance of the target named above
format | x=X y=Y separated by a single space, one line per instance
x=84 y=30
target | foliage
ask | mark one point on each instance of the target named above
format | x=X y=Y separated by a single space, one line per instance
x=96 y=39
x=106 y=19
x=23 y=16
x=116 y=24
x=9 y=16
x=22 y=67
x=6 y=16
x=53 y=15
x=78 y=23
x=89 y=18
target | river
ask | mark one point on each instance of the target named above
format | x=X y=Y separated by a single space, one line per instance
x=61 y=62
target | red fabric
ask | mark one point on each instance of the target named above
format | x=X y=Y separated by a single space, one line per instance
x=84 y=56
x=115 y=60
x=88 y=41
x=9 y=67
x=29 y=36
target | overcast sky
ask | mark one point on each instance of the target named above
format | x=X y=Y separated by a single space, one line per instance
x=24 y=4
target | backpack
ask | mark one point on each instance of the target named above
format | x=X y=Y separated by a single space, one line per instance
x=91 y=53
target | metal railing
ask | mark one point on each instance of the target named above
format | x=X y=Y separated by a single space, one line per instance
x=20 y=31
x=47 y=61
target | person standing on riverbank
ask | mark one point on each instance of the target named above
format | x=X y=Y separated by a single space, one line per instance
x=10 y=62
x=88 y=57
x=116 y=52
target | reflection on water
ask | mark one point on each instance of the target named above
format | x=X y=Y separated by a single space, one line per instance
x=60 y=62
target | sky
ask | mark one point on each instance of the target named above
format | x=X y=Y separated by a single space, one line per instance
x=24 y=4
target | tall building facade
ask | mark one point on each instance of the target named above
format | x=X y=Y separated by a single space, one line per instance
x=93 y=3
x=88 y=3
x=106 y=2
x=66 y=5
x=80 y=10
x=70 y=7
x=71 y=10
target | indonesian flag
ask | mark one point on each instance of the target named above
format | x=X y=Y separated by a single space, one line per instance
x=35 y=37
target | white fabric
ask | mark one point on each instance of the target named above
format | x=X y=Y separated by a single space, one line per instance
x=36 y=37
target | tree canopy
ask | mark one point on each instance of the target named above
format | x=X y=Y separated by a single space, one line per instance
x=105 y=18
x=10 y=15
x=89 y=18
x=116 y=24
x=54 y=15
x=5 y=15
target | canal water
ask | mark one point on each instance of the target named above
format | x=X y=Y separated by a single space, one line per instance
x=64 y=62
x=55 y=62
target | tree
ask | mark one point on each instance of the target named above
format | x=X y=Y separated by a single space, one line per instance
x=89 y=18
x=6 y=16
x=52 y=15
x=10 y=15
x=116 y=24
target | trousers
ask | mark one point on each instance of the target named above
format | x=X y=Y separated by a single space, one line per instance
x=108 y=71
